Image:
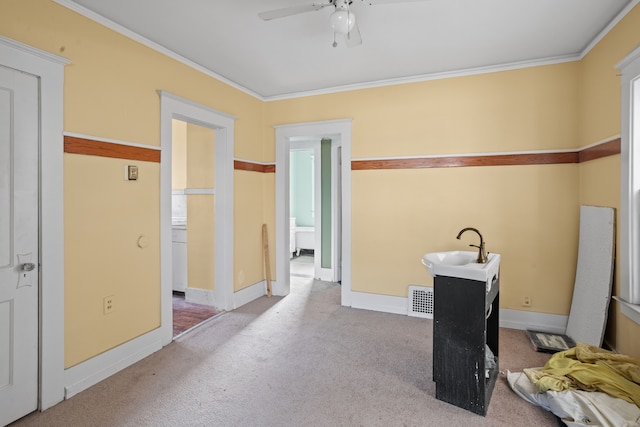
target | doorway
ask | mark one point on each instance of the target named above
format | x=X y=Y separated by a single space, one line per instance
x=172 y=108
x=314 y=210
x=305 y=208
x=192 y=224
x=339 y=134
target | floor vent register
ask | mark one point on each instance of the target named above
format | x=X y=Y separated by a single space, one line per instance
x=421 y=302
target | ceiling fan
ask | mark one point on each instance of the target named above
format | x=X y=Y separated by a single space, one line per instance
x=342 y=20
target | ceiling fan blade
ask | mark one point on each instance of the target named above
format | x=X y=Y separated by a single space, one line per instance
x=293 y=10
x=353 y=38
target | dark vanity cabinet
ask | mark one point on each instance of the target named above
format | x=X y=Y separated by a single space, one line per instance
x=465 y=324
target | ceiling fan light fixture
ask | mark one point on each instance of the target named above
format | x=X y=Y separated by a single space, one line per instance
x=342 y=21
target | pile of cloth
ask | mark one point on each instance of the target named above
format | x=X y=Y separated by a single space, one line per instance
x=584 y=386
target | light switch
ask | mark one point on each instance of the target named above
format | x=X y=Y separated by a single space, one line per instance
x=132 y=173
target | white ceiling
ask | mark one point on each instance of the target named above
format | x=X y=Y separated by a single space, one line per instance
x=403 y=40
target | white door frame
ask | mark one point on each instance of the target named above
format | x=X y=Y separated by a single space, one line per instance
x=49 y=69
x=285 y=134
x=175 y=107
x=629 y=186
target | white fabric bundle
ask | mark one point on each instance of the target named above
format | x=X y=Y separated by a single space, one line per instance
x=577 y=407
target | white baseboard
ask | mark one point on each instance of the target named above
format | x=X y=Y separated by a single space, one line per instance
x=519 y=319
x=200 y=296
x=250 y=293
x=377 y=302
x=240 y=298
x=102 y=366
x=98 y=368
x=326 y=274
x=514 y=319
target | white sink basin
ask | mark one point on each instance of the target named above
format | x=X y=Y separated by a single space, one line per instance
x=462 y=264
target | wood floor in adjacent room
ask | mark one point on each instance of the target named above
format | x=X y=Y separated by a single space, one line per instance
x=188 y=315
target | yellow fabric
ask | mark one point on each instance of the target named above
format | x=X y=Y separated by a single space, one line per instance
x=590 y=368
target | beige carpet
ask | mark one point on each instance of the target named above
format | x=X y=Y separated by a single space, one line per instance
x=302 y=360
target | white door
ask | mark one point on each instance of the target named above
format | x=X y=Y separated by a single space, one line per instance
x=18 y=244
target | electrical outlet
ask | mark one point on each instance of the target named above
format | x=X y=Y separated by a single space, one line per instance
x=526 y=301
x=109 y=304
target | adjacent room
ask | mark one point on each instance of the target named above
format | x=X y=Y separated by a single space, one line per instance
x=323 y=181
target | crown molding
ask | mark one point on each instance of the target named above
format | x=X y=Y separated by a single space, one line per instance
x=69 y=4
x=609 y=27
x=150 y=44
x=431 y=76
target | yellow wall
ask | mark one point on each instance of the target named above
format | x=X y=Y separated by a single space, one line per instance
x=200 y=208
x=248 y=206
x=600 y=179
x=105 y=215
x=200 y=157
x=111 y=92
x=532 y=108
x=178 y=155
x=200 y=241
x=529 y=214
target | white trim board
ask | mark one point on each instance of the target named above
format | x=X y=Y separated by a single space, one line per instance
x=102 y=366
x=199 y=191
x=200 y=296
x=98 y=368
x=632 y=311
x=629 y=271
x=250 y=293
x=520 y=319
x=240 y=298
x=381 y=303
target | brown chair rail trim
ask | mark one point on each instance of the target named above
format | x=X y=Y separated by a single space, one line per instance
x=76 y=145
x=92 y=147
x=253 y=167
x=605 y=149
x=466 y=161
x=608 y=148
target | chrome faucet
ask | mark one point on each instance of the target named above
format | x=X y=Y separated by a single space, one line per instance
x=482 y=255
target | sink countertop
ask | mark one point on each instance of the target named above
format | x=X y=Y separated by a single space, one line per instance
x=463 y=265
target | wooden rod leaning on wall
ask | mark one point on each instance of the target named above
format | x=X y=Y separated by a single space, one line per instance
x=267 y=262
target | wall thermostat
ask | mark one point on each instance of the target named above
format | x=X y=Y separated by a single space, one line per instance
x=132 y=173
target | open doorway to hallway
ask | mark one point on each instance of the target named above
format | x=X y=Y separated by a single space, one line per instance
x=287 y=136
x=315 y=208
x=302 y=264
x=304 y=201
x=193 y=224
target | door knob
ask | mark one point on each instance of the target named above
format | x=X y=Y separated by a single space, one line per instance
x=28 y=266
